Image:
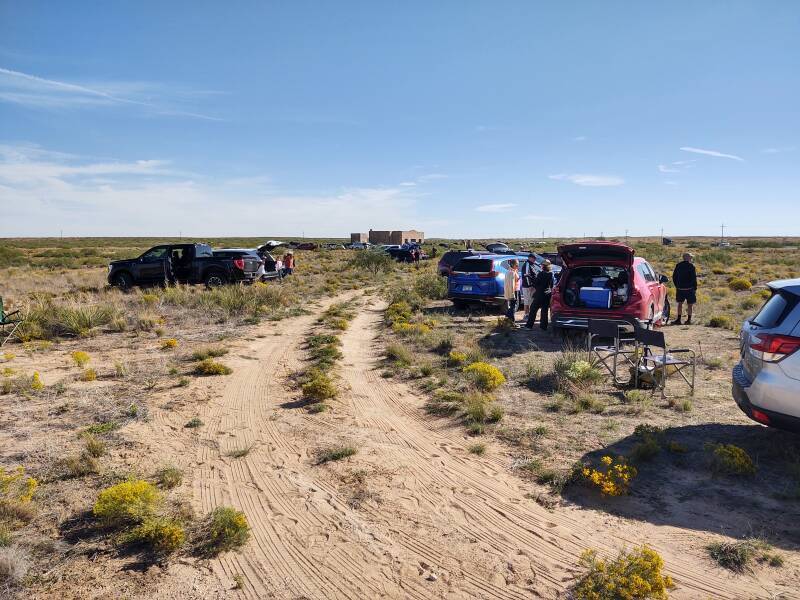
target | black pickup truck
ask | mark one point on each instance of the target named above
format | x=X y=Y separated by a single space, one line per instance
x=178 y=263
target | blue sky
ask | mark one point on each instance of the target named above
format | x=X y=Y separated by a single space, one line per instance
x=464 y=119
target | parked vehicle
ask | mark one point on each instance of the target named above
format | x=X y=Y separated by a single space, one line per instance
x=499 y=248
x=185 y=263
x=405 y=254
x=305 y=246
x=766 y=381
x=387 y=247
x=478 y=279
x=604 y=280
x=359 y=246
x=332 y=247
x=450 y=258
x=253 y=263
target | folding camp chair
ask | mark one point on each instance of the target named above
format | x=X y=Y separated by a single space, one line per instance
x=655 y=368
x=7 y=321
x=605 y=354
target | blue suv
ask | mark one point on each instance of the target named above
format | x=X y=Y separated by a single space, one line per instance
x=478 y=279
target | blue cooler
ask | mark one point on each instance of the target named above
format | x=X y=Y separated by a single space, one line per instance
x=595 y=297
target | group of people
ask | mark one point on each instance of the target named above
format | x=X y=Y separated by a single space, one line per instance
x=532 y=289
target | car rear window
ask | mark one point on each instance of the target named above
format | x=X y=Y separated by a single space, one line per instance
x=775 y=310
x=474 y=265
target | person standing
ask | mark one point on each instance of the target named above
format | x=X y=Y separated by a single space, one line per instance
x=542 y=292
x=510 y=288
x=288 y=264
x=528 y=276
x=685 y=279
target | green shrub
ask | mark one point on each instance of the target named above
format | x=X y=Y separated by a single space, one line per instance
x=398 y=354
x=398 y=312
x=729 y=459
x=335 y=453
x=738 y=556
x=319 y=388
x=208 y=352
x=193 y=423
x=740 y=284
x=721 y=322
x=169 y=477
x=227 y=530
x=431 y=286
x=372 y=261
x=163 y=534
x=487 y=377
x=126 y=502
x=94 y=447
x=478 y=449
x=80 y=358
x=211 y=367
x=634 y=575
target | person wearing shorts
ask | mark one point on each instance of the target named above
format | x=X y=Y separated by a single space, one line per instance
x=685 y=279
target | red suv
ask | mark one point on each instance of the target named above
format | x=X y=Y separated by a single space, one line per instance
x=604 y=280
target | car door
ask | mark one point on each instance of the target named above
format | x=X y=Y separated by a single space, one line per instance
x=657 y=288
x=649 y=281
x=151 y=264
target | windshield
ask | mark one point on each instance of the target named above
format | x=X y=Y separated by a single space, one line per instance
x=774 y=310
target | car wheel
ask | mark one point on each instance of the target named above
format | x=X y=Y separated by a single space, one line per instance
x=123 y=281
x=214 y=279
x=459 y=304
x=651 y=315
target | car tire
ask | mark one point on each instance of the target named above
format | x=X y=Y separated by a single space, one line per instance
x=214 y=279
x=459 y=304
x=123 y=281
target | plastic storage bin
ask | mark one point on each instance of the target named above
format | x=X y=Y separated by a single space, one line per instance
x=595 y=297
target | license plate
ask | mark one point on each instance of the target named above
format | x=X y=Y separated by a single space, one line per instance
x=466 y=288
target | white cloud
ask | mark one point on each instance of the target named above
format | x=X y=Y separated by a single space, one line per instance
x=580 y=138
x=777 y=150
x=43 y=192
x=39 y=92
x=495 y=208
x=666 y=169
x=589 y=180
x=711 y=153
x=408 y=184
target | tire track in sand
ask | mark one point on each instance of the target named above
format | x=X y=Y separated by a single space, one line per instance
x=469 y=517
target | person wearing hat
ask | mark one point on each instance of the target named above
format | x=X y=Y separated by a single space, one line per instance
x=542 y=292
x=528 y=275
x=685 y=279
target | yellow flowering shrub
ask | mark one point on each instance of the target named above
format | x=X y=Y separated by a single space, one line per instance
x=410 y=329
x=739 y=284
x=9 y=356
x=612 y=477
x=731 y=460
x=486 y=376
x=15 y=487
x=169 y=344
x=89 y=375
x=228 y=529
x=456 y=358
x=133 y=500
x=36 y=382
x=398 y=312
x=149 y=299
x=163 y=534
x=80 y=357
x=634 y=575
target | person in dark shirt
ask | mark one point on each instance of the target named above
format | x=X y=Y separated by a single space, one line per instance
x=685 y=279
x=542 y=292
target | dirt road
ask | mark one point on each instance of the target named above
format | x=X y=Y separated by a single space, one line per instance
x=413 y=514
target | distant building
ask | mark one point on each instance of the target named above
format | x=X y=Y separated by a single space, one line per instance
x=395 y=237
x=361 y=238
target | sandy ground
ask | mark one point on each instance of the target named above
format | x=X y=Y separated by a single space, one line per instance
x=412 y=515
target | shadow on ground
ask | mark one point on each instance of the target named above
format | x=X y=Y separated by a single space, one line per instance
x=680 y=488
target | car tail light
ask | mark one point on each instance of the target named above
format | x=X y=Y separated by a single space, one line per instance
x=760 y=416
x=489 y=275
x=238 y=263
x=772 y=348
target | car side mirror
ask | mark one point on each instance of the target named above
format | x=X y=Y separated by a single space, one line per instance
x=663 y=279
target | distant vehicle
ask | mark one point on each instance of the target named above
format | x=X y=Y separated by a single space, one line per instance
x=499 y=248
x=666 y=241
x=537 y=267
x=305 y=246
x=604 y=280
x=404 y=255
x=254 y=264
x=388 y=247
x=332 y=246
x=479 y=278
x=359 y=246
x=185 y=263
x=766 y=382
x=451 y=257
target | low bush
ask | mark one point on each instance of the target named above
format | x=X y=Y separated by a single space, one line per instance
x=127 y=502
x=208 y=352
x=89 y=375
x=399 y=355
x=335 y=453
x=162 y=534
x=411 y=329
x=721 y=322
x=169 y=477
x=487 y=377
x=93 y=446
x=209 y=366
x=612 y=477
x=431 y=286
x=739 y=556
x=398 y=312
x=478 y=449
x=634 y=575
x=14 y=565
x=740 y=284
x=194 y=423
x=729 y=459
x=169 y=344
x=227 y=530
x=456 y=359
x=372 y=261
x=319 y=388
x=80 y=358
x=15 y=486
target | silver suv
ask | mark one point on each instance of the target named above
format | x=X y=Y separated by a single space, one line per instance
x=766 y=382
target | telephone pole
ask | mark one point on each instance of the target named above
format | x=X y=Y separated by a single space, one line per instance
x=722 y=234
x=626 y=236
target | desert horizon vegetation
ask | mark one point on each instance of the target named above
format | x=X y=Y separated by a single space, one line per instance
x=95 y=370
